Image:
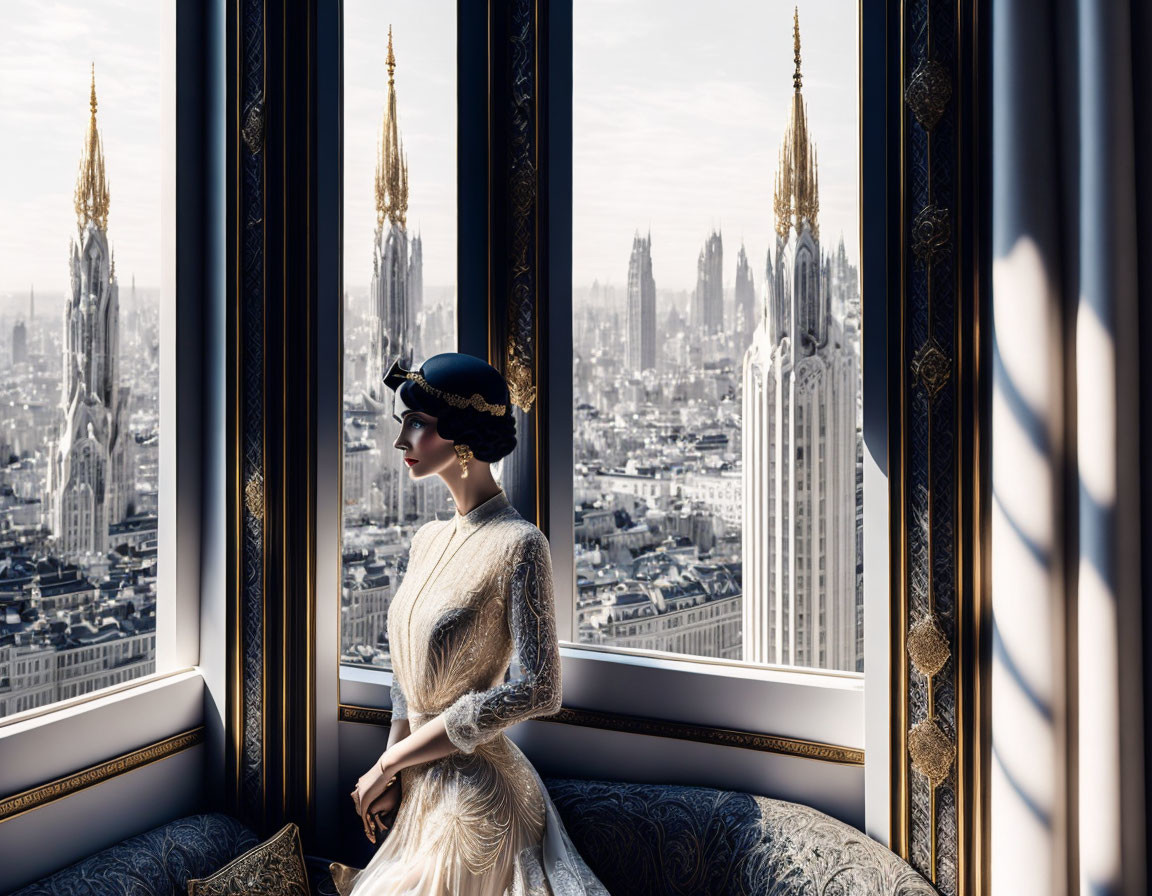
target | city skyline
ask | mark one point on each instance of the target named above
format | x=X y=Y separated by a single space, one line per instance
x=730 y=83
x=676 y=117
x=716 y=493
x=79 y=486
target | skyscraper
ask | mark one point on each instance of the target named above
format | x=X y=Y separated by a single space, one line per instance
x=641 y=321
x=392 y=298
x=744 y=299
x=89 y=470
x=801 y=383
x=416 y=296
x=708 y=299
x=19 y=342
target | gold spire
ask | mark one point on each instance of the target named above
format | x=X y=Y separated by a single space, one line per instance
x=796 y=47
x=391 y=160
x=92 y=197
x=391 y=61
x=797 y=192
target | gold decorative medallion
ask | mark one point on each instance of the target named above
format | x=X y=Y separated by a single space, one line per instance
x=253 y=131
x=931 y=367
x=520 y=387
x=931 y=751
x=254 y=496
x=927 y=647
x=929 y=90
x=931 y=232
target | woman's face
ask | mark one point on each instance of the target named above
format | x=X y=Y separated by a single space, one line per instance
x=425 y=452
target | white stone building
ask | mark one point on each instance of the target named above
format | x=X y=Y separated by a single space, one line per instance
x=801 y=382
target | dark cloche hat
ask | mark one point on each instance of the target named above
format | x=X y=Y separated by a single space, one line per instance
x=469 y=398
x=459 y=380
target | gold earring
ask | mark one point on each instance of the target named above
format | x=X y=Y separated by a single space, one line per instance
x=464 y=453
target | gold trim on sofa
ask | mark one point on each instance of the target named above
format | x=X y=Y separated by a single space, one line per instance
x=39 y=796
x=611 y=721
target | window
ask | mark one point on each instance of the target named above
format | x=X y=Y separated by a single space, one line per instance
x=399 y=273
x=705 y=377
x=82 y=287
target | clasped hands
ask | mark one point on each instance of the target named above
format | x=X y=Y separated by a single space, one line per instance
x=376 y=796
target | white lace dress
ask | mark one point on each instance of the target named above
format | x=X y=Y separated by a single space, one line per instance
x=478 y=822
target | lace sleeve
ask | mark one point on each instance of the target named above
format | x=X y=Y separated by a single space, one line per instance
x=478 y=716
x=399 y=701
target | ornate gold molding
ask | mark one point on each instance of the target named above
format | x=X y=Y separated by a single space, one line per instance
x=365 y=715
x=611 y=721
x=36 y=797
x=725 y=737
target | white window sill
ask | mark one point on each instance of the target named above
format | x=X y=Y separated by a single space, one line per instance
x=47 y=745
x=814 y=705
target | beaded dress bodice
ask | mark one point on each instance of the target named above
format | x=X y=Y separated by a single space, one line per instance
x=475 y=585
x=477 y=595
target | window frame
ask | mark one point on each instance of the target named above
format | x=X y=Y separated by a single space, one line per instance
x=805 y=704
x=710 y=682
x=180 y=496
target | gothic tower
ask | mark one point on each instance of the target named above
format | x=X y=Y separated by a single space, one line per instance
x=89 y=476
x=391 y=317
x=395 y=298
x=801 y=383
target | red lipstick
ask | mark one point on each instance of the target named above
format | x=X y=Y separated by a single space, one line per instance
x=411 y=461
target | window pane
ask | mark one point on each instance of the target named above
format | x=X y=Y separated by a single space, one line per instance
x=80 y=279
x=716 y=322
x=399 y=284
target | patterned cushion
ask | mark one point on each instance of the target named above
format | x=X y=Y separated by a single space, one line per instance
x=274 y=868
x=666 y=839
x=157 y=863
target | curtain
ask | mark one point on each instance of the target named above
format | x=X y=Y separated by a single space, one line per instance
x=1070 y=93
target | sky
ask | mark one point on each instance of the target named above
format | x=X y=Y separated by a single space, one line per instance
x=679 y=112
x=46 y=50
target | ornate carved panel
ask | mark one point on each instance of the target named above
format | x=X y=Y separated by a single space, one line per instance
x=250 y=205
x=517 y=301
x=935 y=646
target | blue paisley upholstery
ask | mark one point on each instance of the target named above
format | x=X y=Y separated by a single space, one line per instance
x=661 y=839
x=156 y=863
x=639 y=839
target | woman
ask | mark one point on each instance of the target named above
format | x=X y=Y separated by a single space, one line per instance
x=473 y=818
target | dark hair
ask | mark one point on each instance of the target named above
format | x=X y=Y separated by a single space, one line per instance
x=490 y=437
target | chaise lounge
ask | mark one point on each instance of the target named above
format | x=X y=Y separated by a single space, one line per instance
x=640 y=839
